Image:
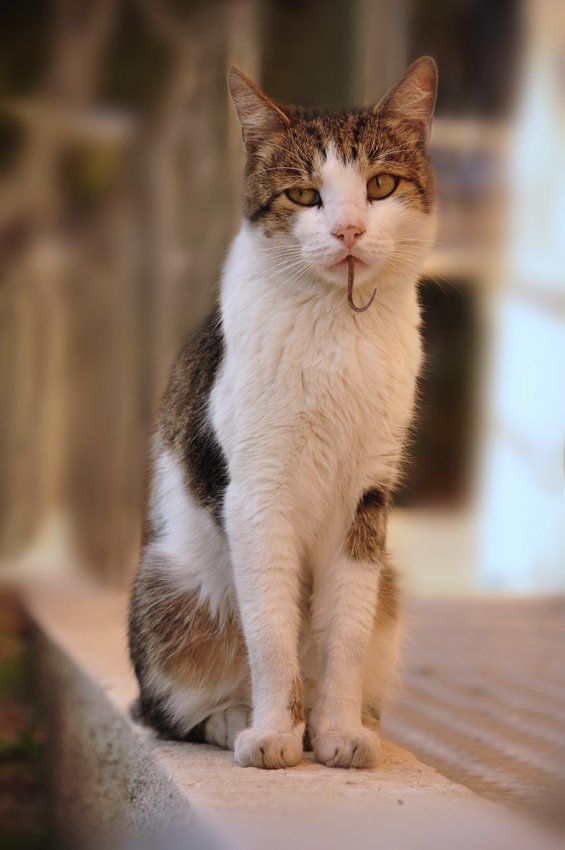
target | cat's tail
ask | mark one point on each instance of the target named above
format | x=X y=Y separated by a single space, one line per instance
x=153 y=716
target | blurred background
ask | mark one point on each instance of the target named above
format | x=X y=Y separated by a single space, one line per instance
x=120 y=169
x=120 y=164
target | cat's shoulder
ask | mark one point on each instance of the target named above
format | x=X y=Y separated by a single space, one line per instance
x=184 y=425
x=192 y=377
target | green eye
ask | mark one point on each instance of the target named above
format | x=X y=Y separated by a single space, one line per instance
x=381 y=186
x=304 y=197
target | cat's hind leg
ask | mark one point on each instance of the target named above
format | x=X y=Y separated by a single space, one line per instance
x=190 y=660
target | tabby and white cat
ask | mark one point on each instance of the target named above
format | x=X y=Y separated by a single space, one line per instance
x=264 y=616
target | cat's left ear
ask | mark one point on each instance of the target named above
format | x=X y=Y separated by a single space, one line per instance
x=257 y=113
x=414 y=97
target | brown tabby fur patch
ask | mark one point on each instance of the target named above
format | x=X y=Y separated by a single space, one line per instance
x=366 y=539
x=295 y=702
x=292 y=155
x=172 y=632
x=388 y=603
x=183 y=421
x=372 y=718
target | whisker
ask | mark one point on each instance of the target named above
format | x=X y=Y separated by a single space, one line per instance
x=294 y=264
x=282 y=258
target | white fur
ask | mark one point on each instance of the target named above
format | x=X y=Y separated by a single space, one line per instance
x=197 y=556
x=311 y=408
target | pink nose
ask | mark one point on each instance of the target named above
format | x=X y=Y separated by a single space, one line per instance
x=349 y=234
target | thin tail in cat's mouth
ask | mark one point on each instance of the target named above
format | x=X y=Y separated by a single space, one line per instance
x=350 y=278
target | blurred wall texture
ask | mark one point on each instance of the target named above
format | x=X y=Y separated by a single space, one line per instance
x=120 y=166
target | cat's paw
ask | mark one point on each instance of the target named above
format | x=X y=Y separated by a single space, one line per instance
x=257 y=747
x=351 y=747
x=223 y=727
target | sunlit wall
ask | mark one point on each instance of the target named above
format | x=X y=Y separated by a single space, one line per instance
x=522 y=507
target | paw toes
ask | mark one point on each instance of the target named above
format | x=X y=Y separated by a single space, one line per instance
x=365 y=754
x=348 y=749
x=267 y=749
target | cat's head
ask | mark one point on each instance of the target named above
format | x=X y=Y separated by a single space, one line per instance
x=331 y=183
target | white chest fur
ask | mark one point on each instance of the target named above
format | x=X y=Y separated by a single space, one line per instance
x=313 y=401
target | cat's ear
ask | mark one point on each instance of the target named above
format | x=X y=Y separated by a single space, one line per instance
x=414 y=97
x=257 y=113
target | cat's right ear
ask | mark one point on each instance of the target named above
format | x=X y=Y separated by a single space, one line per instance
x=257 y=113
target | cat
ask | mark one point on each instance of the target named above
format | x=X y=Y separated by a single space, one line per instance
x=265 y=613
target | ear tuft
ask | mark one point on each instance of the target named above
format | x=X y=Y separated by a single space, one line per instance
x=257 y=113
x=414 y=97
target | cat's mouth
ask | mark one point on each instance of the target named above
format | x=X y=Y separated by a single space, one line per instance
x=345 y=262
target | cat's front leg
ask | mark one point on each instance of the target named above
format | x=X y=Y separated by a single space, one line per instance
x=266 y=574
x=345 y=611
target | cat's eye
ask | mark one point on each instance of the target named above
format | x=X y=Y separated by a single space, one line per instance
x=304 y=197
x=381 y=186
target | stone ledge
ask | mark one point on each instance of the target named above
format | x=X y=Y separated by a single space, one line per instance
x=113 y=778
